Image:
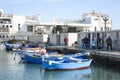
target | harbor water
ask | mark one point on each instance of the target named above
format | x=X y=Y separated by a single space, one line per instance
x=15 y=69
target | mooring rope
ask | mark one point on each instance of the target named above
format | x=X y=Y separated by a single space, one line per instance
x=118 y=65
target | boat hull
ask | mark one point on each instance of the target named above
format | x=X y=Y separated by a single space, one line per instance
x=66 y=65
x=33 y=59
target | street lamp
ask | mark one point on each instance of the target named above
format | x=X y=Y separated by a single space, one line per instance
x=105 y=18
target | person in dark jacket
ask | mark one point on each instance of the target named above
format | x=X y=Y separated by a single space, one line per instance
x=83 y=44
x=48 y=40
x=99 y=43
x=86 y=41
x=109 y=43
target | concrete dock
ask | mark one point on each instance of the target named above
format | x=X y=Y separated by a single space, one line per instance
x=109 y=58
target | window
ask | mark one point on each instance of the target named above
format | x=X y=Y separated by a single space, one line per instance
x=10 y=26
x=6 y=26
x=29 y=28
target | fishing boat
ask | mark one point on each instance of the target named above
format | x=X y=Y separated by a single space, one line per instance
x=11 y=46
x=67 y=63
x=34 y=57
x=31 y=55
x=28 y=52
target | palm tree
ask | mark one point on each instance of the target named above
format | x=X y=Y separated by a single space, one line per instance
x=39 y=31
x=56 y=29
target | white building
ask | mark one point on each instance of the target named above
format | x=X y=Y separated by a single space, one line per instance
x=25 y=26
x=89 y=22
x=97 y=21
x=15 y=25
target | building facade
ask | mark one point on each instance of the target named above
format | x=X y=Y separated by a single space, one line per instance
x=14 y=26
x=21 y=27
x=90 y=22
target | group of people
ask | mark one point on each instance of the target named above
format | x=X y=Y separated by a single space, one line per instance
x=86 y=42
x=97 y=43
x=108 y=43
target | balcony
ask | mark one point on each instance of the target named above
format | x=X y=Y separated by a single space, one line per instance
x=7 y=16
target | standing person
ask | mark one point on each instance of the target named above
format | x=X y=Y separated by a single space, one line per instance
x=83 y=44
x=48 y=40
x=98 y=42
x=109 y=43
x=86 y=41
x=65 y=41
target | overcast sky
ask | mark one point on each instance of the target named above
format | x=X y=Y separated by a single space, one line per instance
x=63 y=9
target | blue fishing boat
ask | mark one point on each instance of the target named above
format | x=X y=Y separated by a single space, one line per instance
x=33 y=58
x=10 y=46
x=63 y=64
x=36 y=58
x=27 y=51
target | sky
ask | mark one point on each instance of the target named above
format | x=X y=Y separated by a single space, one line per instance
x=63 y=9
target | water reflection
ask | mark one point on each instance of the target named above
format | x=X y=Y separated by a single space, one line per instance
x=32 y=72
x=105 y=73
x=67 y=75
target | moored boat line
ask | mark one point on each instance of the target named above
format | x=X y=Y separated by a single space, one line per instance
x=31 y=55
